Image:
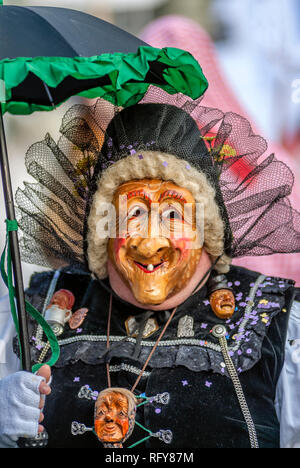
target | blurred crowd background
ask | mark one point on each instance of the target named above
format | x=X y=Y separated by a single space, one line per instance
x=248 y=49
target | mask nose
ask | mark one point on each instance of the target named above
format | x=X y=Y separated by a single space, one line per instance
x=110 y=416
x=149 y=247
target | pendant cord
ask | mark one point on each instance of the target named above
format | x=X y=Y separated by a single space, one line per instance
x=153 y=349
x=150 y=355
x=205 y=276
x=160 y=336
x=107 y=340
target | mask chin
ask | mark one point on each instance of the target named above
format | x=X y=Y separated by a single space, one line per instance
x=151 y=296
x=155 y=287
x=122 y=289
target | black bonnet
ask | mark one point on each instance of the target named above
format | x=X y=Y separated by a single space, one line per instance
x=164 y=128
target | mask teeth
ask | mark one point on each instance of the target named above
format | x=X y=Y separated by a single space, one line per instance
x=150 y=267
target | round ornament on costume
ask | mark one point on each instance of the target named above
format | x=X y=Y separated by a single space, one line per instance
x=78 y=318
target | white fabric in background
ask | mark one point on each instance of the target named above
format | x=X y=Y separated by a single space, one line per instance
x=9 y=363
x=288 y=388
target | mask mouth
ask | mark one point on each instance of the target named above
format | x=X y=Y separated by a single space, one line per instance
x=110 y=427
x=227 y=304
x=148 y=268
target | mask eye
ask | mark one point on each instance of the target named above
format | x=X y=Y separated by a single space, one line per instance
x=136 y=212
x=171 y=214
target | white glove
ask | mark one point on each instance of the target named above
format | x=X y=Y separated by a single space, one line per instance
x=20 y=406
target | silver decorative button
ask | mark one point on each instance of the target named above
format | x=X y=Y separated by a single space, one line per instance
x=219 y=330
x=185 y=327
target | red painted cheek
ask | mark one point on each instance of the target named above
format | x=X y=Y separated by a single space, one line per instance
x=99 y=425
x=124 y=424
x=118 y=244
x=181 y=244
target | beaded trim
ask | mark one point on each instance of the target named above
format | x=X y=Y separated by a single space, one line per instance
x=103 y=338
x=248 y=309
x=127 y=367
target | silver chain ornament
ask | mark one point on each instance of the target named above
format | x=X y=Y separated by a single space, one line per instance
x=220 y=332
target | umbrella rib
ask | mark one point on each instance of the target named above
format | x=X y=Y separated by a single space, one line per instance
x=55 y=30
x=49 y=94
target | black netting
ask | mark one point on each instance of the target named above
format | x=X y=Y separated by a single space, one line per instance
x=251 y=189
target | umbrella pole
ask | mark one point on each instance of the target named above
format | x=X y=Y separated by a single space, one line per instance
x=15 y=252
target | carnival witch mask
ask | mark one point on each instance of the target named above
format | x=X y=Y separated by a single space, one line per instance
x=221 y=296
x=158 y=248
x=222 y=302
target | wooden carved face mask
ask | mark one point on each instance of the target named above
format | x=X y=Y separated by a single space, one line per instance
x=223 y=303
x=158 y=246
x=114 y=416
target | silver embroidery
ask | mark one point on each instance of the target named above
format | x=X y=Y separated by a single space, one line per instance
x=128 y=368
x=185 y=327
x=150 y=327
x=161 y=398
x=185 y=341
x=86 y=392
x=79 y=429
x=165 y=435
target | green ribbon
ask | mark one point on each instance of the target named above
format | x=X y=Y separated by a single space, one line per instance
x=145 y=438
x=140 y=441
x=12 y=225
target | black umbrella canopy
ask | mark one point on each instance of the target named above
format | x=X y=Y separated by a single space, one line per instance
x=46 y=32
x=59 y=32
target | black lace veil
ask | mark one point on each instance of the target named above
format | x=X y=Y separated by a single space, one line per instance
x=252 y=187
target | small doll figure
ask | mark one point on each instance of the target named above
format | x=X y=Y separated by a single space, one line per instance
x=221 y=297
x=63 y=298
x=114 y=416
x=59 y=310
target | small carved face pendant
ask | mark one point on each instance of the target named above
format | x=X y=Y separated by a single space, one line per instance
x=114 y=415
x=222 y=303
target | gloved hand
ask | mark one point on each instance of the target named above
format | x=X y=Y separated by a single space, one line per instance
x=22 y=398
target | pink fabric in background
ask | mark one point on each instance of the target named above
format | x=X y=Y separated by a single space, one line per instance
x=183 y=33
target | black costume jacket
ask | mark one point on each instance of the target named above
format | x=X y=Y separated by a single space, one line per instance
x=202 y=410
